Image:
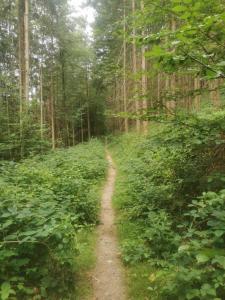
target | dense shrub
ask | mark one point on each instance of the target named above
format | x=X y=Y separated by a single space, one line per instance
x=174 y=179
x=43 y=202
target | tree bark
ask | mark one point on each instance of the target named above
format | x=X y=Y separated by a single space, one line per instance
x=24 y=50
x=88 y=109
x=173 y=76
x=137 y=103
x=52 y=114
x=197 y=99
x=23 y=19
x=214 y=92
x=124 y=70
x=41 y=103
x=144 y=78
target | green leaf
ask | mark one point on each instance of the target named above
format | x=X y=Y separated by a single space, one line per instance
x=183 y=248
x=219 y=233
x=219 y=260
x=193 y=294
x=202 y=258
x=221 y=63
x=179 y=8
x=207 y=289
x=156 y=51
x=5 y=290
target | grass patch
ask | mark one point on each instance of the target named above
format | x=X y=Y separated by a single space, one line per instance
x=137 y=275
x=85 y=263
x=138 y=281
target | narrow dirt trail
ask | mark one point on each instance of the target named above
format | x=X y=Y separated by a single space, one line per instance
x=108 y=275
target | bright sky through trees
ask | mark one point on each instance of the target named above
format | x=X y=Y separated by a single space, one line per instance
x=80 y=9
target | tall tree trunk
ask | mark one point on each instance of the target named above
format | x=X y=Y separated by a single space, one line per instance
x=82 y=127
x=8 y=124
x=144 y=77
x=24 y=49
x=167 y=87
x=88 y=109
x=64 y=103
x=41 y=104
x=68 y=133
x=52 y=114
x=124 y=70
x=23 y=17
x=73 y=134
x=197 y=99
x=214 y=92
x=159 y=100
x=173 y=76
x=88 y=122
x=137 y=103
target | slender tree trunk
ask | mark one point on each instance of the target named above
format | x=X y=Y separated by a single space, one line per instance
x=137 y=103
x=144 y=77
x=88 y=122
x=24 y=49
x=41 y=103
x=197 y=99
x=124 y=70
x=173 y=76
x=52 y=114
x=73 y=135
x=23 y=17
x=8 y=124
x=214 y=93
x=88 y=109
x=68 y=133
x=82 y=128
x=167 y=86
x=64 y=103
x=117 y=94
x=159 y=91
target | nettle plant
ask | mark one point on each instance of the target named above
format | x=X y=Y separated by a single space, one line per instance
x=197 y=270
x=44 y=201
x=180 y=238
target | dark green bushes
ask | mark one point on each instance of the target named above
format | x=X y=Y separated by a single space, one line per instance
x=175 y=181
x=43 y=203
x=201 y=255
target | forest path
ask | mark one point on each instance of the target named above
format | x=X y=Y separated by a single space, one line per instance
x=108 y=281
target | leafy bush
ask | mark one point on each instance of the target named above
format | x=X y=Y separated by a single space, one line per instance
x=200 y=259
x=183 y=238
x=44 y=201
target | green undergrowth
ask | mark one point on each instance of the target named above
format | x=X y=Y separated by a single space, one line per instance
x=128 y=231
x=170 y=200
x=49 y=206
x=85 y=262
x=137 y=274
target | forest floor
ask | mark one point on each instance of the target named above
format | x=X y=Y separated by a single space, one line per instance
x=108 y=276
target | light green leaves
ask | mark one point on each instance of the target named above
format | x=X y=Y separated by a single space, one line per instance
x=156 y=51
x=208 y=290
x=6 y=290
x=202 y=258
x=41 y=208
x=179 y=8
x=220 y=260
